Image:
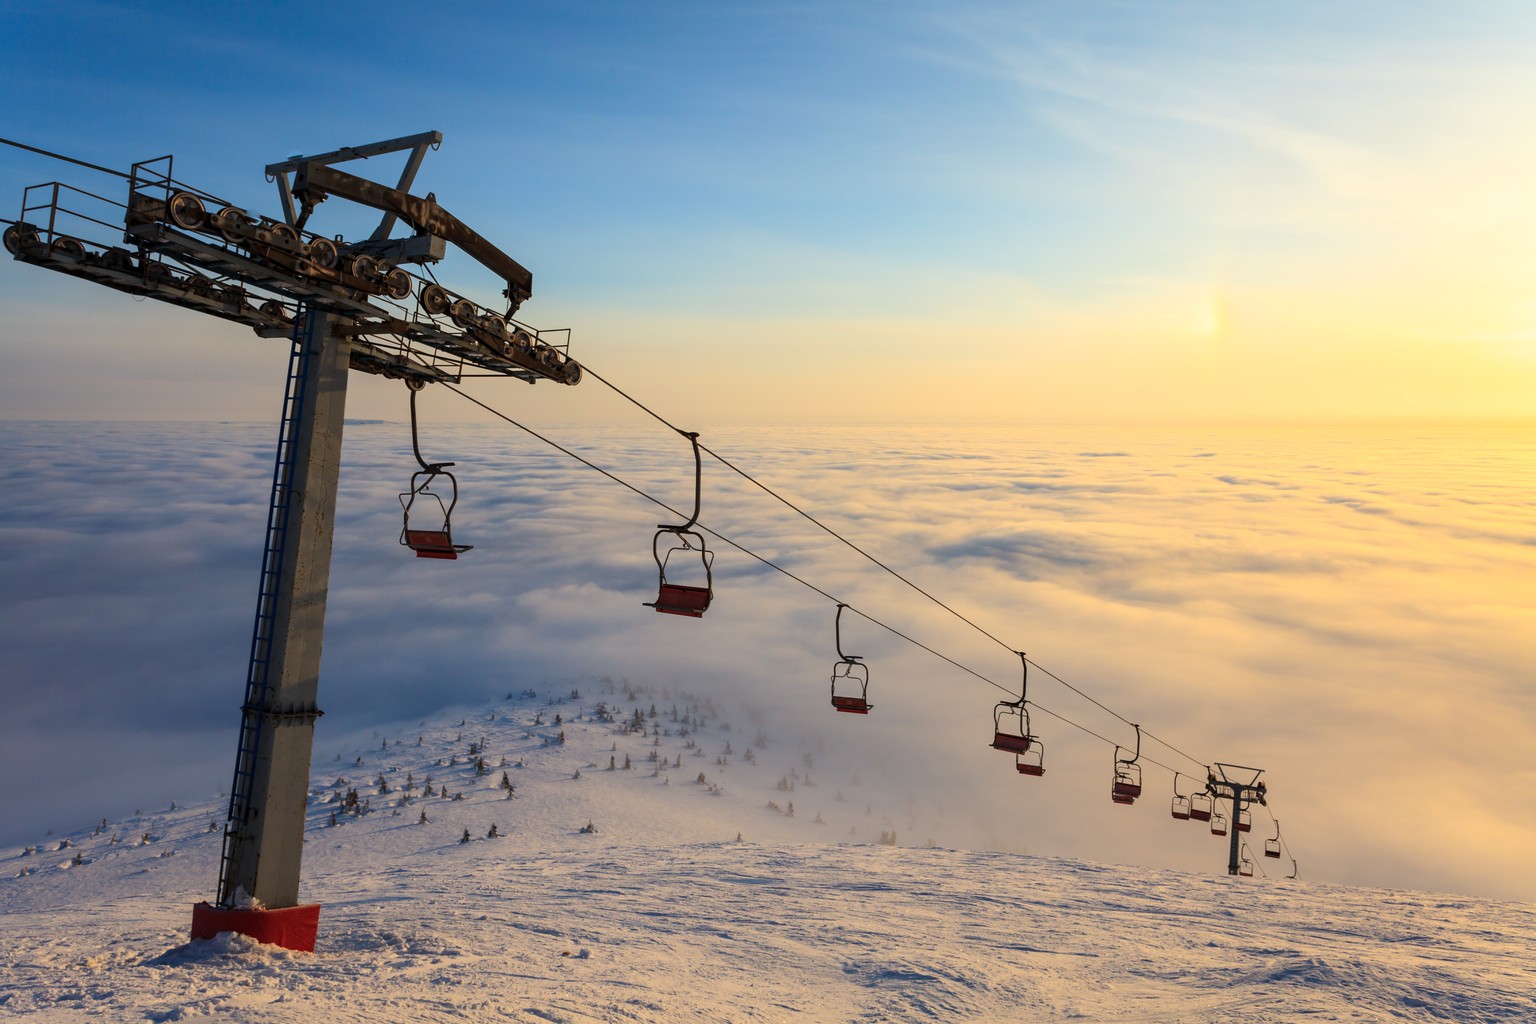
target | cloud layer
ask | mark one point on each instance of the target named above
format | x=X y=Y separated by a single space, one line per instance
x=1350 y=610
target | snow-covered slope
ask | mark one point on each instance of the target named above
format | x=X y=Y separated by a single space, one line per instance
x=682 y=889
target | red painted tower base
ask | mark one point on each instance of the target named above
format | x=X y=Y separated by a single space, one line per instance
x=289 y=927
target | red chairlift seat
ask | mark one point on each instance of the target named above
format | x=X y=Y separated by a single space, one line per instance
x=850 y=676
x=1219 y=824
x=676 y=599
x=1125 y=790
x=1272 y=846
x=850 y=684
x=432 y=544
x=1127 y=785
x=1245 y=869
x=1180 y=806
x=1200 y=807
x=1032 y=761
x=436 y=543
x=1010 y=728
x=1244 y=821
x=1012 y=744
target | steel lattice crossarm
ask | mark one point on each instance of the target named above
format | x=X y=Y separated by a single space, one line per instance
x=185 y=246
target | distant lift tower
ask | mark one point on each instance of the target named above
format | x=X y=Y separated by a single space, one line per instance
x=344 y=305
x=1242 y=786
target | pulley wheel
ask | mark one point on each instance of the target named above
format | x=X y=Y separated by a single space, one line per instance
x=434 y=300
x=19 y=237
x=463 y=313
x=284 y=235
x=493 y=333
x=323 y=253
x=117 y=258
x=187 y=211
x=67 y=247
x=231 y=223
x=398 y=284
x=365 y=267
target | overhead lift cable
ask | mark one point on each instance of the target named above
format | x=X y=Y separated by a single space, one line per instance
x=779 y=568
x=586 y=367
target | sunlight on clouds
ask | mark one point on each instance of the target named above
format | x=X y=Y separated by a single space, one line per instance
x=1331 y=604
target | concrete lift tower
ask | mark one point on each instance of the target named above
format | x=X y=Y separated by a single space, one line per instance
x=344 y=305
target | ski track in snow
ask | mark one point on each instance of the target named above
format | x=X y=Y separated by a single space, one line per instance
x=662 y=915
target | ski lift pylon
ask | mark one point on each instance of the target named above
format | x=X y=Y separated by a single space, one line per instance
x=437 y=540
x=1010 y=729
x=850 y=676
x=677 y=598
x=1127 y=784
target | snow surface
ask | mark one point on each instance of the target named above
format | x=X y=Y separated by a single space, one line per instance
x=706 y=902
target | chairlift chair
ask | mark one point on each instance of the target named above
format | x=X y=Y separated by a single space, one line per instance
x=1245 y=865
x=1011 y=732
x=1272 y=846
x=850 y=676
x=1127 y=785
x=431 y=543
x=1032 y=763
x=1200 y=806
x=437 y=540
x=1011 y=729
x=1181 y=806
x=678 y=598
x=1218 y=824
x=1244 y=820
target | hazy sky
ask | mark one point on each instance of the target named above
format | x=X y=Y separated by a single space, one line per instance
x=901 y=211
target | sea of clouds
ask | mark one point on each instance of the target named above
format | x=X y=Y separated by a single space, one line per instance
x=1348 y=608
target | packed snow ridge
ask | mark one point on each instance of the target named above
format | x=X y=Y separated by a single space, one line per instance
x=635 y=855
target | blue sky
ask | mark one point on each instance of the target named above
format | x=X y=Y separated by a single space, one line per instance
x=1126 y=210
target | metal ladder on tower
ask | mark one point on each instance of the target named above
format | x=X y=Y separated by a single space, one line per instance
x=272 y=563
